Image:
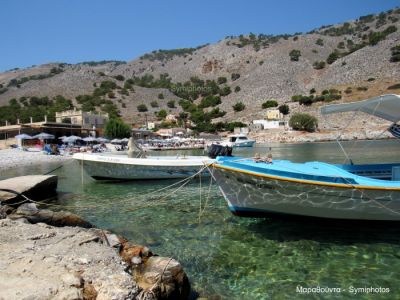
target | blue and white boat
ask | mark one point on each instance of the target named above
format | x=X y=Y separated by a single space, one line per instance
x=315 y=189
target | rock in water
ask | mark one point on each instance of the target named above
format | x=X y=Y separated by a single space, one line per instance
x=35 y=187
x=34 y=215
x=163 y=277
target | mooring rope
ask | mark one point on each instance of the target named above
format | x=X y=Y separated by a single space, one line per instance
x=145 y=196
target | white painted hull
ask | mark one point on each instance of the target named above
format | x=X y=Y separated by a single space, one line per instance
x=249 y=195
x=121 y=167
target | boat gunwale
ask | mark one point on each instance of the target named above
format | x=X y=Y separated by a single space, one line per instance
x=304 y=181
x=183 y=162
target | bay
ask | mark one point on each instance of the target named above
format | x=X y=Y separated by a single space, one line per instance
x=228 y=257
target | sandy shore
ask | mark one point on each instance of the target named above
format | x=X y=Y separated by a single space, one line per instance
x=14 y=158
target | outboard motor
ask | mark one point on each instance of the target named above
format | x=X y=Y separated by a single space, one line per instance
x=219 y=150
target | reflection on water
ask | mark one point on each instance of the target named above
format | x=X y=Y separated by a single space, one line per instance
x=239 y=258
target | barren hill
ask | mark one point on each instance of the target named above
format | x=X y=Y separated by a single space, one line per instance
x=357 y=54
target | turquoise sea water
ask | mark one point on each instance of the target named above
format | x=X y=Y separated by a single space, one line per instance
x=228 y=257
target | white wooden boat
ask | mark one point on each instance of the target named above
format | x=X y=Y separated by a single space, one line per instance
x=122 y=167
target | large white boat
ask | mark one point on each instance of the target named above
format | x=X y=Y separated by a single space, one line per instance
x=122 y=167
x=240 y=140
x=234 y=141
x=266 y=187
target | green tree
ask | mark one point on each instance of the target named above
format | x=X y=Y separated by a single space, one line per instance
x=239 y=106
x=142 y=108
x=116 y=128
x=302 y=121
x=284 y=109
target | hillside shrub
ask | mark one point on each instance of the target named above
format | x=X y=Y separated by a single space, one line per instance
x=294 y=55
x=225 y=91
x=237 y=89
x=119 y=77
x=154 y=104
x=235 y=76
x=348 y=90
x=395 y=51
x=221 y=80
x=142 y=108
x=171 y=104
x=160 y=96
x=210 y=101
x=319 y=42
x=239 y=106
x=302 y=121
x=333 y=57
x=318 y=65
x=162 y=114
x=394 y=86
x=269 y=104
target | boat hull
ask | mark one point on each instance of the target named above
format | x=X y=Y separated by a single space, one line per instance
x=249 y=143
x=257 y=196
x=116 y=168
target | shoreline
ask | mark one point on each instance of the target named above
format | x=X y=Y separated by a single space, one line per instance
x=14 y=158
x=59 y=255
x=298 y=137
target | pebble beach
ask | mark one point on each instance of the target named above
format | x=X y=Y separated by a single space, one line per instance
x=14 y=158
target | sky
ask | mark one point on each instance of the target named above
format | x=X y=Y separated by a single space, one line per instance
x=72 y=31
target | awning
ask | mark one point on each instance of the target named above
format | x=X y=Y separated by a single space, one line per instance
x=386 y=107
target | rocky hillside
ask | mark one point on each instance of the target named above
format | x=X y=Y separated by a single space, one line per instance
x=359 y=58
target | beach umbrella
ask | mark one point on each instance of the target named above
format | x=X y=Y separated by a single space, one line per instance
x=102 y=140
x=125 y=140
x=62 y=137
x=71 y=139
x=44 y=136
x=89 y=139
x=116 y=141
x=23 y=136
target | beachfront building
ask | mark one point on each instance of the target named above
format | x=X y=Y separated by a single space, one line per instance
x=166 y=133
x=87 y=120
x=143 y=134
x=72 y=122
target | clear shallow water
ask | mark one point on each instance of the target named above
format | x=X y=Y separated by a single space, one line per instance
x=238 y=258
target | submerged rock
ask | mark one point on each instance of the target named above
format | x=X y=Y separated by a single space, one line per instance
x=163 y=278
x=34 y=215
